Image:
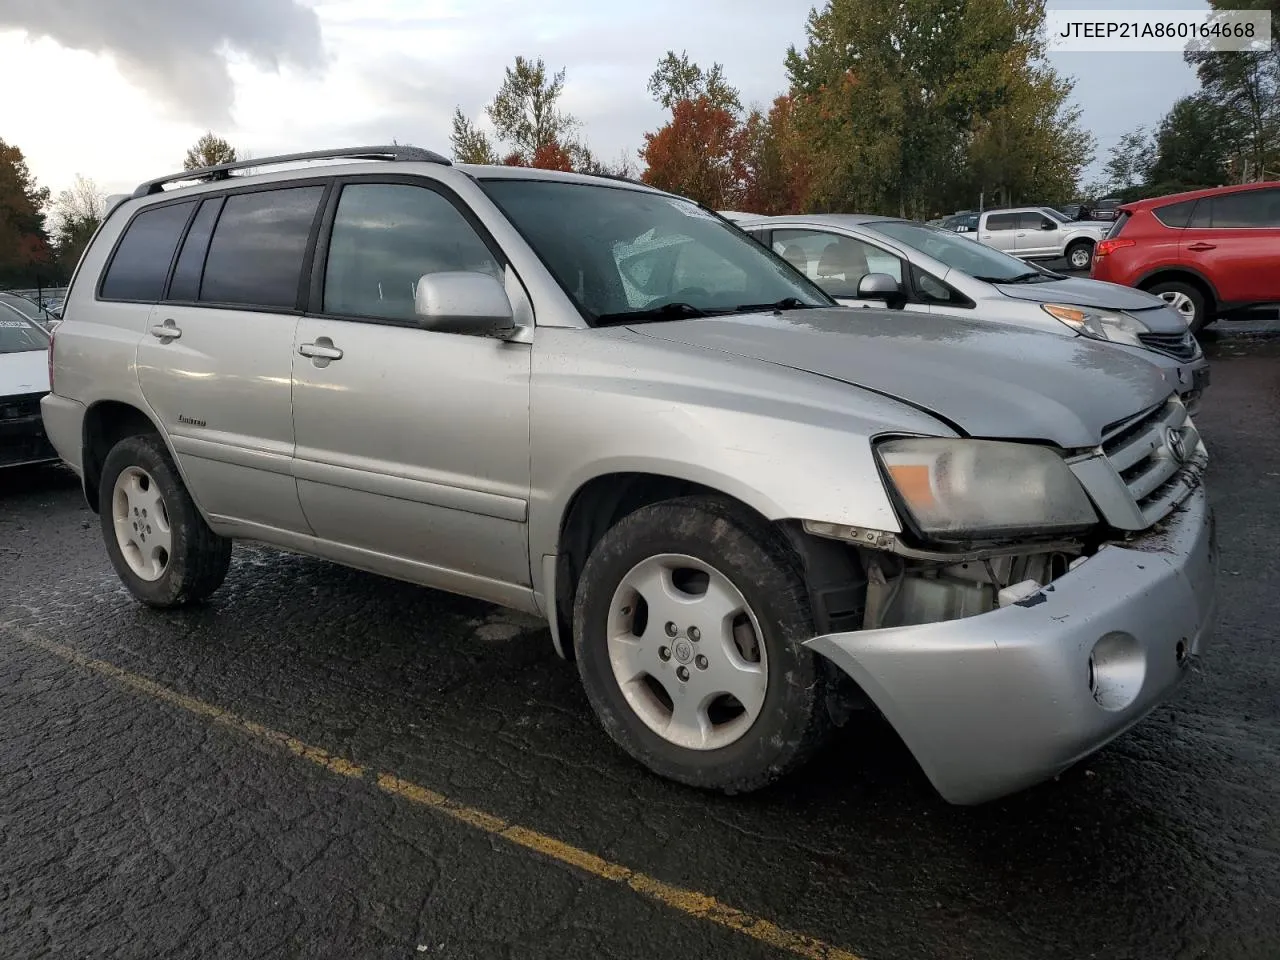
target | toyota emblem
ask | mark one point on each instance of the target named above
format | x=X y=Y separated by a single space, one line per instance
x=1177 y=446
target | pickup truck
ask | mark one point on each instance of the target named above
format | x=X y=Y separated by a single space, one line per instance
x=1041 y=233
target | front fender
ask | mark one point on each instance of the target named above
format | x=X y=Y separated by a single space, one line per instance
x=786 y=443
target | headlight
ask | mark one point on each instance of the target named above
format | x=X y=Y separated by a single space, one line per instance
x=1098 y=324
x=961 y=489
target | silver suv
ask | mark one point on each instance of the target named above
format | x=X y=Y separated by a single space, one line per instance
x=744 y=515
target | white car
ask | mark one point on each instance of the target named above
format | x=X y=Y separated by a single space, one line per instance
x=24 y=379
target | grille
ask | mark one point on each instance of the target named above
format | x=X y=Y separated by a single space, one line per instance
x=1180 y=346
x=19 y=407
x=1159 y=458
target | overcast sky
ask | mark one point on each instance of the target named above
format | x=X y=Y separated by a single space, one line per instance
x=120 y=88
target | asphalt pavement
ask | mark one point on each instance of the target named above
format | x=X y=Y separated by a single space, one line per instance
x=322 y=763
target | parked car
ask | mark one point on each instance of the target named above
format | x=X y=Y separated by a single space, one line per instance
x=24 y=380
x=742 y=515
x=28 y=308
x=1209 y=253
x=932 y=271
x=1105 y=210
x=1041 y=233
x=961 y=223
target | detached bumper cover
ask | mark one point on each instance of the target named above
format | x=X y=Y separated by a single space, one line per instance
x=994 y=703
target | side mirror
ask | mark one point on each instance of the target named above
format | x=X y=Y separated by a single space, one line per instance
x=1048 y=225
x=463 y=301
x=881 y=286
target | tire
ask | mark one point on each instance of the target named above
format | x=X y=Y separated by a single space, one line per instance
x=1082 y=251
x=196 y=560
x=730 y=546
x=1187 y=299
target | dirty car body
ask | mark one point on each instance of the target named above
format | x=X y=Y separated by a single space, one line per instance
x=996 y=536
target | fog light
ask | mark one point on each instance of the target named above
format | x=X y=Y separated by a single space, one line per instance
x=1117 y=667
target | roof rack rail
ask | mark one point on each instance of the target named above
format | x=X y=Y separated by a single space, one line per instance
x=223 y=170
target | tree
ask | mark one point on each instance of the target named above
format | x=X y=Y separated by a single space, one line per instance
x=893 y=93
x=1131 y=160
x=526 y=122
x=697 y=153
x=1192 y=144
x=209 y=151
x=677 y=78
x=778 y=163
x=1245 y=88
x=77 y=212
x=24 y=245
x=469 y=144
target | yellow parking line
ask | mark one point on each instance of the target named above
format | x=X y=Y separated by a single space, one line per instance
x=689 y=902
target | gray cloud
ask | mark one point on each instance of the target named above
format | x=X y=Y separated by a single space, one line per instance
x=177 y=49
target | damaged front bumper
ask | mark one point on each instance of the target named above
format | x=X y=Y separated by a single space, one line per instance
x=993 y=703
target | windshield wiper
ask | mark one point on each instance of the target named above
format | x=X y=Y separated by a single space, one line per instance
x=1025 y=277
x=668 y=311
x=786 y=303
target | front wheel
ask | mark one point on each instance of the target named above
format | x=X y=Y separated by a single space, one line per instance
x=159 y=544
x=689 y=625
x=1080 y=255
x=1187 y=300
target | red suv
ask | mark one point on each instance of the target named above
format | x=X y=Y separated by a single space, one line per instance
x=1211 y=253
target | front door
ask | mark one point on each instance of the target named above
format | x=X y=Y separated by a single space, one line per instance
x=1038 y=235
x=1234 y=239
x=412 y=445
x=216 y=361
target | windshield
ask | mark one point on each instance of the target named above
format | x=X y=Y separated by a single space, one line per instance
x=626 y=255
x=1053 y=214
x=24 y=306
x=18 y=334
x=957 y=251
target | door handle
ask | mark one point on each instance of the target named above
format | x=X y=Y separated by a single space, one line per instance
x=166 y=331
x=1201 y=247
x=322 y=349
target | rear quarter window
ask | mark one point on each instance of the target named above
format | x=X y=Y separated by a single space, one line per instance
x=1176 y=215
x=140 y=264
x=1118 y=225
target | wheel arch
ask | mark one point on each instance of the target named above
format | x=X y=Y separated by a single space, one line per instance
x=106 y=423
x=1182 y=274
x=832 y=571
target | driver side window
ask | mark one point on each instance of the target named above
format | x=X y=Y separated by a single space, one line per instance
x=834 y=262
x=385 y=237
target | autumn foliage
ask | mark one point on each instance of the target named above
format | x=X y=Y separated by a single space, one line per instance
x=699 y=153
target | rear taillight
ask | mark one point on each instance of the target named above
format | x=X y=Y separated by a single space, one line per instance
x=1105 y=247
x=53 y=334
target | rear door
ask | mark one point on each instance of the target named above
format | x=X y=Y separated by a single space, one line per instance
x=216 y=362
x=1233 y=239
x=1000 y=231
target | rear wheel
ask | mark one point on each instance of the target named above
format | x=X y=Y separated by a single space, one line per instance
x=689 y=627
x=159 y=544
x=1080 y=255
x=1187 y=299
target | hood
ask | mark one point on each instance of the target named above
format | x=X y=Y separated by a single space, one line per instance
x=1094 y=224
x=989 y=380
x=25 y=372
x=1080 y=292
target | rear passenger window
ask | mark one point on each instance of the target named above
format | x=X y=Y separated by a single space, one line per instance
x=255 y=256
x=186 y=275
x=141 y=262
x=1248 y=208
x=1002 y=221
x=1176 y=215
x=388 y=235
